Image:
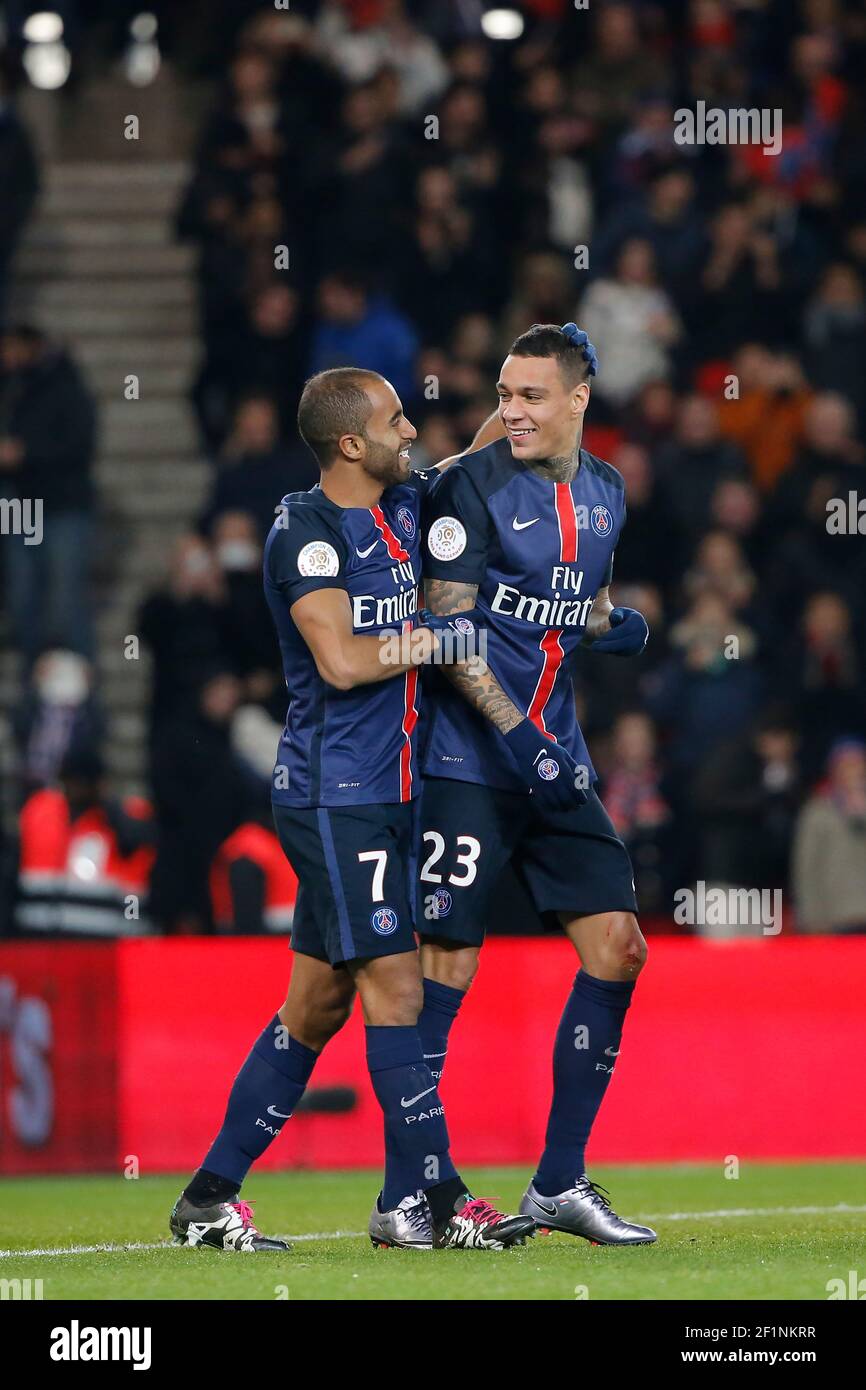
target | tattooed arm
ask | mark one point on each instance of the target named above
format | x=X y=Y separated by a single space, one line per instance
x=598 y=621
x=475 y=681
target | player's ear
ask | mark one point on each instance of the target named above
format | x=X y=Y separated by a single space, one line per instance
x=579 y=399
x=351 y=446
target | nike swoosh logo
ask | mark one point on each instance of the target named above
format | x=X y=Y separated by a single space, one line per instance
x=522 y=525
x=406 y=1103
x=548 y=1211
x=362 y=554
x=279 y=1114
x=609 y=1052
x=434 y=1054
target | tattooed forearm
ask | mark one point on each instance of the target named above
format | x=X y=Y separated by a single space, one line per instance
x=477 y=684
x=473 y=678
x=598 y=621
x=443 y=596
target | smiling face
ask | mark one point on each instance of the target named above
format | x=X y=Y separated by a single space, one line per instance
x=383 y=449
x=542 y=415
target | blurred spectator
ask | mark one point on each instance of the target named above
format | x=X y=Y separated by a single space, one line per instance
x=694 y=463
x=710 y=689
x=735 y=508
x=767 y=418
x=182 y=623
x=639 y=557
x=719 y=567
x=632 y=322
x=201 y=793
x=834 y=330
x=261 y=350
x=746 y=794
x=635 y=802
x=740 y=285
x=665 y=216
x=85 y=857
x=366 y=331
x=820 y=667
x=256 y=471
x=545 y=285
x=246 y=624
x=830 y=846
x=47 y=436
x=253 y=887
x=616 y=71
x=58 y=716
x=392 y=40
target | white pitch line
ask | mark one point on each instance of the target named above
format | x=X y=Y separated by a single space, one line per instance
x=747 y=1211
x=840 y=1208
x=158 y=1245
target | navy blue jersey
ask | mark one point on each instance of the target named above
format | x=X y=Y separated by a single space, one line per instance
x=346 y=747
x=539 y=552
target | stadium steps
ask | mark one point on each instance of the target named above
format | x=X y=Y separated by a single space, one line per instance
x=100 y=268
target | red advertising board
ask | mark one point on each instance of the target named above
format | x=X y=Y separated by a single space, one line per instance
x=58 y=1057
x=751 y=1048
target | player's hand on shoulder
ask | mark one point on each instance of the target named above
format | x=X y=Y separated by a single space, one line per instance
x=550 y=772
x=628 y=633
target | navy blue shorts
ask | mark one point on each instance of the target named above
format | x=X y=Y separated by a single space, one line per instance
x=355 y=868
x=570 y=861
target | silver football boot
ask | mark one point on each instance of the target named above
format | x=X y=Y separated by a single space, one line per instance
x=584 y=1211
x=408 y=1227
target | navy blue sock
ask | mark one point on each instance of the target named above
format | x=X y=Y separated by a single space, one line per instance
x=587 y=1043
x=413 y=1112
x=265 y=1092
x=441 y=1006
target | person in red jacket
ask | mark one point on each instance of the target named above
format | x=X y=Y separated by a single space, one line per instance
x=253 y=886
x=85 y=858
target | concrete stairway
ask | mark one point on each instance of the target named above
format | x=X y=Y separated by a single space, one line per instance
x=100 y=269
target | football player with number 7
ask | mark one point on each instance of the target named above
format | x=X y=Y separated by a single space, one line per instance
x=341 y=572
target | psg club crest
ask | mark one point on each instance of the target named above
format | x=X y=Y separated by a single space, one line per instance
x=600 y=521
x=441 y=903
x=384 y=921
x=548 y=768
x=406 y=522
x=464 y=625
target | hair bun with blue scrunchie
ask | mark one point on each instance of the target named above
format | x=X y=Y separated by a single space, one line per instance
x=580 y=339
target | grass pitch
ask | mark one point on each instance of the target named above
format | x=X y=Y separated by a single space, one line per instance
x=779 y=1231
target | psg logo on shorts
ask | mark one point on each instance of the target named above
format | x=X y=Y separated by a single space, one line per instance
x=442 y=901
x=600 y=521
x=384 y=921
x=464 y=625
x=406 y=521
x=548 y=768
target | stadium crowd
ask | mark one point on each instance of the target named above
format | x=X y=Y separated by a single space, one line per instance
x=379 y=184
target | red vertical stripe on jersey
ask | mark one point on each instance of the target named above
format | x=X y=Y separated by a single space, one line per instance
x=552 y=649
x=410 y=719
x=395 y=549
x=567 y=522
